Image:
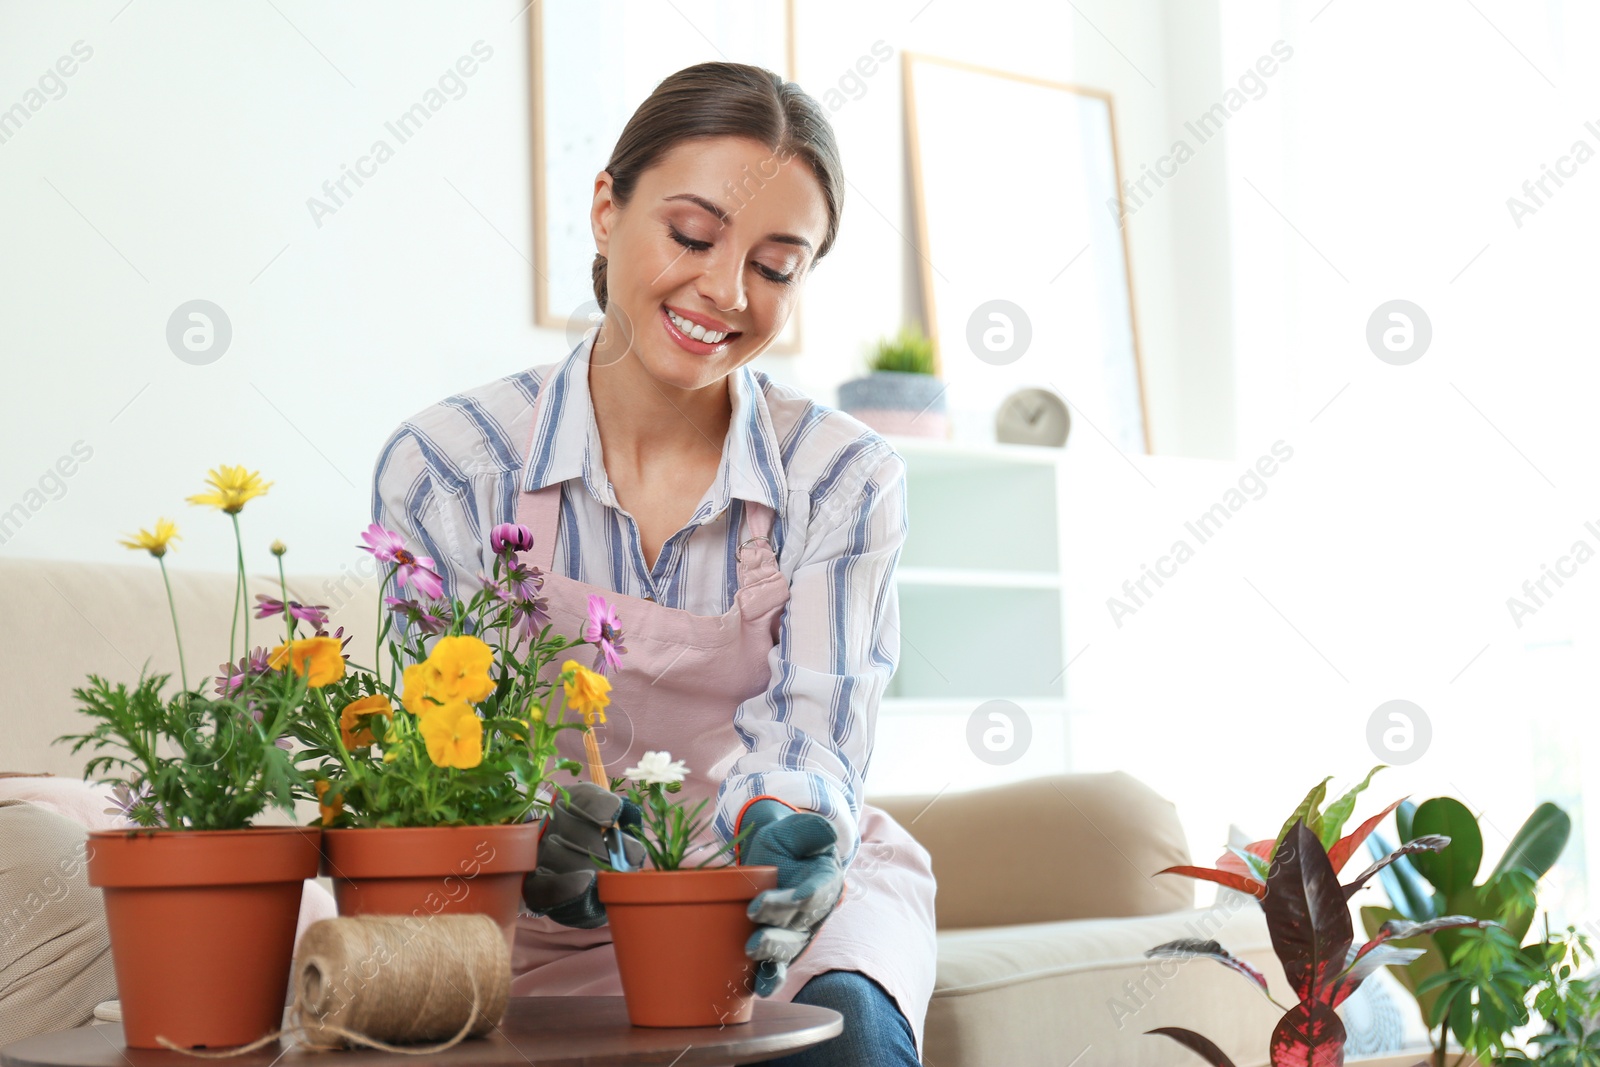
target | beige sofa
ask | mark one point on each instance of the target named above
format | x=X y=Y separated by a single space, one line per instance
x=1047 y=889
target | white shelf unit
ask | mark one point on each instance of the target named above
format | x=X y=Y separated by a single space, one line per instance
x=982 y=614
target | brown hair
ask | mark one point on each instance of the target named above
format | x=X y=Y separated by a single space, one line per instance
x=726 y=100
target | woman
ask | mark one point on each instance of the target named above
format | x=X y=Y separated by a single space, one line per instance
x=746 y=535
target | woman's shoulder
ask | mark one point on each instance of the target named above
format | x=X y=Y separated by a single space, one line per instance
x=481 y=429
x=823 y=448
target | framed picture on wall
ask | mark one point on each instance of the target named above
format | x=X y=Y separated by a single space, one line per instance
x=583 y=94
x=1024 y=256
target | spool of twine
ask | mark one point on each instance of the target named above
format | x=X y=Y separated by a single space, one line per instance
x=391 y=981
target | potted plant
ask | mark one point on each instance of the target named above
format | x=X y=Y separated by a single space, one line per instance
x=201 y=905
x=1296 y=879
x=1478 y=986
x=900 y=394
x=680 y=930
x=429 y=790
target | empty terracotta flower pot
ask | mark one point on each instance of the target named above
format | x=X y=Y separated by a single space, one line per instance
x=679 y=938
x=432 y=870
x=202 y=928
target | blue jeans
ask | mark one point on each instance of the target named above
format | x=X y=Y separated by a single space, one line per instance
x=875 y=1033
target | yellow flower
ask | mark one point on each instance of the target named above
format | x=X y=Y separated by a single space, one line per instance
x=456 y=670
x=462 y=667
x=353 y=720
x=235 y=487
x=454 y=735
x=329 y=811
x=535 y=711
x=153 y=543
x=586 y=690
x=320 y=659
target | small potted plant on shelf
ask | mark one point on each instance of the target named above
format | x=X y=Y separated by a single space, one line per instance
x=900 y=394
x=1478 y=985
x=201 y=905
x=429 y=791
x=1296 y=879
x=680 y=930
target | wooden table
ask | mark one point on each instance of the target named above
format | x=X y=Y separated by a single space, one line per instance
x=541 y=1031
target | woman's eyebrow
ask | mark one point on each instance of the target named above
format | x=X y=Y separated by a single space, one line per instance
x=716 y=212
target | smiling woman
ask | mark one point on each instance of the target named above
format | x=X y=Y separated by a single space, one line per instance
x=746 y=535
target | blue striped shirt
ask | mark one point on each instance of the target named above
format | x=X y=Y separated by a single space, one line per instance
x=453 y=471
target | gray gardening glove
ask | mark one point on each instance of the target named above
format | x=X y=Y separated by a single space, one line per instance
x=573 y=844
x=802 y=845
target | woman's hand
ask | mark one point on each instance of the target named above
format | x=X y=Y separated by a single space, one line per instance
x=803 y=846
x=570 y=850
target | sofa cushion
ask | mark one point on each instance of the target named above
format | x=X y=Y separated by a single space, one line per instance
x=1042 y=993
x=55 y=956
x=1068 y=846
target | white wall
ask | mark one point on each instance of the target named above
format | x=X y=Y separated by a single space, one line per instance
x=177 y=163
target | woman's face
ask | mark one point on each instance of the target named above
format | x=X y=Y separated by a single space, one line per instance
x=718 y=236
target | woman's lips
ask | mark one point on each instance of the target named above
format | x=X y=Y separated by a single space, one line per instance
x=689 y=344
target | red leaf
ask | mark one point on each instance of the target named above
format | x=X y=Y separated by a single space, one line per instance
x=1307 y=916
x=1232 y=881
x=1234 y=865
x=1192 y=1041
x=1309 y=1035
x=1346 y=846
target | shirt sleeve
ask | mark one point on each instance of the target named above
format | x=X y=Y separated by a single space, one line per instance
x=426 y=506
x=809 y=737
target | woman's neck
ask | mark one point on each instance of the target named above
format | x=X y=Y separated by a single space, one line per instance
x=641 y=419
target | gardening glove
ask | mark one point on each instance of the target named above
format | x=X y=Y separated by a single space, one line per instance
x=801 y=844
x=572 y=846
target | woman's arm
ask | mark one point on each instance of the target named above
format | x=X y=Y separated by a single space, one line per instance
x=427 y=504
x=809 y=736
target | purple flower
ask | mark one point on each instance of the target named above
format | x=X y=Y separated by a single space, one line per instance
x=605 y=630
x=231 y=677
x=529 y=611
x=510 y=537
x=344 y=642
x=416 y=571
x=423 y=618
x=137 y=805
x=314 y=615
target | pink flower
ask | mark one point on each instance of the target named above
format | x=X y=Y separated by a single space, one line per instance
x=604 y=629
x=418 y=572
x=419 y=616
x=509 y=537
x=232 y=676
x=384 y=544
x=315 y=615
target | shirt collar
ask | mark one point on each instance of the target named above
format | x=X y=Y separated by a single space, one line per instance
x=566 y=441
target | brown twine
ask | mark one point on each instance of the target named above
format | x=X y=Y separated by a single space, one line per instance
x=376 y=980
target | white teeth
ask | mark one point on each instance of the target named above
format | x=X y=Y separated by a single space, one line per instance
x=694 y=329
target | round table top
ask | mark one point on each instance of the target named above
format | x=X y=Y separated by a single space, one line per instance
x=549 y=1031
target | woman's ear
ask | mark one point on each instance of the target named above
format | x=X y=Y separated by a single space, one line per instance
x=602 y=212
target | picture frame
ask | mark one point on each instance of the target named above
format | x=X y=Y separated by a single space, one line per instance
x=1061 y=286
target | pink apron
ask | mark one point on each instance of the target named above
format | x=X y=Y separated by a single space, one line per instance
x=680 y=681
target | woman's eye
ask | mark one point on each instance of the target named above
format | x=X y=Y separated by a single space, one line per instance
x=688 y=242
x=774 y=276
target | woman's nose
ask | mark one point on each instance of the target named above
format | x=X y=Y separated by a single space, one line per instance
x=723 y=283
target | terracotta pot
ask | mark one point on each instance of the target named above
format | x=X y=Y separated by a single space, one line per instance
x=202 y=928
x=680 y=937
x=432 y=870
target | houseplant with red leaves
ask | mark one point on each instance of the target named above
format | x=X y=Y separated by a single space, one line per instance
x=1296 y=879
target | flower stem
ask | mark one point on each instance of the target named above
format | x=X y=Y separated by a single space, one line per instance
x=288 y=616
x=172 y=606
x=238 y=591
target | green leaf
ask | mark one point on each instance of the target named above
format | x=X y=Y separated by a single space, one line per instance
x=1310 y=811
x=1538 y=843
x=1453 y=869
x=1402 y=819
x=1340 y=810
